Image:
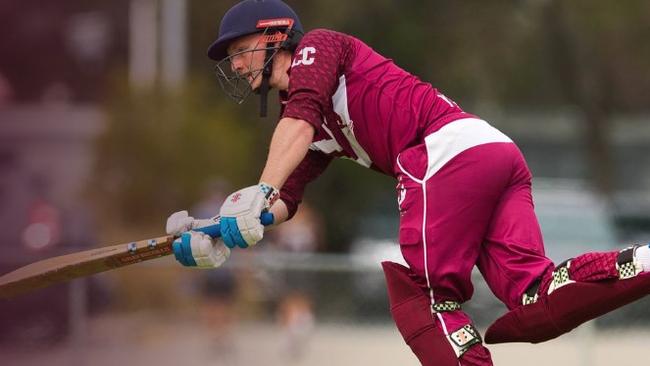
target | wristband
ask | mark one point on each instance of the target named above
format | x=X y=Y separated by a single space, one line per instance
x=271 y=194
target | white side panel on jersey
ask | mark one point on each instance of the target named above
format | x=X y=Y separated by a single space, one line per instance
x=340 y=103
x=456 y=137
x=326 y=146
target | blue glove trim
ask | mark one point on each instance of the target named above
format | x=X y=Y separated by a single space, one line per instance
x=186 y=249
x=214 y=231
x=230 y=233
x=178 y=254
x=266 y=218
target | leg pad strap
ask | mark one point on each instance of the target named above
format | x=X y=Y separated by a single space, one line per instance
x=464 y=338
x=414 y=316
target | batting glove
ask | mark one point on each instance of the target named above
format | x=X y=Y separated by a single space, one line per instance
x=240 y=215
x=180 y=222
x=196 y=249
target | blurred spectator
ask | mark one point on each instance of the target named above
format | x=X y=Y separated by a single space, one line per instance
x=296 y=317
x=299 y=235
x=295 y=313
x=218 y=313
x=218 y=287
x=43 y=228
x=47 y=228
x=214 y=193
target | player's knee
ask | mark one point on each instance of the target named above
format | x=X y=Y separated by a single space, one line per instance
x=421 y=327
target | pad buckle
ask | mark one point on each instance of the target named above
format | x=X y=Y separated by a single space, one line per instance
x=561 y=276
x=626 y=265
x=464 y=338
x=531 y=296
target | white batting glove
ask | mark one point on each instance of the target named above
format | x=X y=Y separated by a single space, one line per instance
x=240 y=215
x=196 y=249
x=180 y=222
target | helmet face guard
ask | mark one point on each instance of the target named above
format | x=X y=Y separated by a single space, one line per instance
x=276 y=34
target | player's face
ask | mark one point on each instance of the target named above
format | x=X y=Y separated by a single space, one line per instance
x=247 y=58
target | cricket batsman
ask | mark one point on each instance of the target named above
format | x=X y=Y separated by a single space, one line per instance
x=463 y=189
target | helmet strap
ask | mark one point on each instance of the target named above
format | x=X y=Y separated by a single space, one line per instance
x=264 y=87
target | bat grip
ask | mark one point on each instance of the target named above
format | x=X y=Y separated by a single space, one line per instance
x=215 y=230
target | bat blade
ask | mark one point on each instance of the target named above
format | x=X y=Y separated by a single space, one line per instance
x=67 y=267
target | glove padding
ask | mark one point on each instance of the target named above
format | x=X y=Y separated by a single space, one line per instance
x=240 y=215
x=180 y=222
x=196 y=249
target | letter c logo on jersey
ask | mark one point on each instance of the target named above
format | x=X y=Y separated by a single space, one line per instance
x=306 y=57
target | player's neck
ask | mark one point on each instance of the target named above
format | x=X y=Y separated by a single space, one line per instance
x=281 y=65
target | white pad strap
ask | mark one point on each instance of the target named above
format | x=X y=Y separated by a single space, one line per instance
x=560 y=277
x=464 y=338
x=627 y=264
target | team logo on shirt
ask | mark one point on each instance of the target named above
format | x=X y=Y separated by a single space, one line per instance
x=305 y=57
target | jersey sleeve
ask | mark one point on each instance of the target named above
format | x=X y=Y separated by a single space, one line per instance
x=309 y=169
x=317 y=64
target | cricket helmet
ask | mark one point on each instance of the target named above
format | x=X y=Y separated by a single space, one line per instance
x=244 y=19
x=280 y=29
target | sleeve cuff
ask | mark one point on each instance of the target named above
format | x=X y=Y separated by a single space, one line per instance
x=291 y=203
x=306 y=113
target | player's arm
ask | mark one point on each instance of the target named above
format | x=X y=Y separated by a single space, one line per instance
x=311 y=167
x=280 y=212
x=240 y=213
x=289 y=146
x=324 y=54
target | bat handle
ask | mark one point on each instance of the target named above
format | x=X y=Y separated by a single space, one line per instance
x=215 y=230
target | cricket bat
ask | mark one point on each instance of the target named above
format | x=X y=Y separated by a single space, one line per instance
x=68 y=267
x=80 y=264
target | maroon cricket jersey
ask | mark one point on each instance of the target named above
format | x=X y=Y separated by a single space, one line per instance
x=362 y=105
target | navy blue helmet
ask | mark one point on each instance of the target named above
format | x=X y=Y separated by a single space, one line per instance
x=246 y=17
x=280 y=29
